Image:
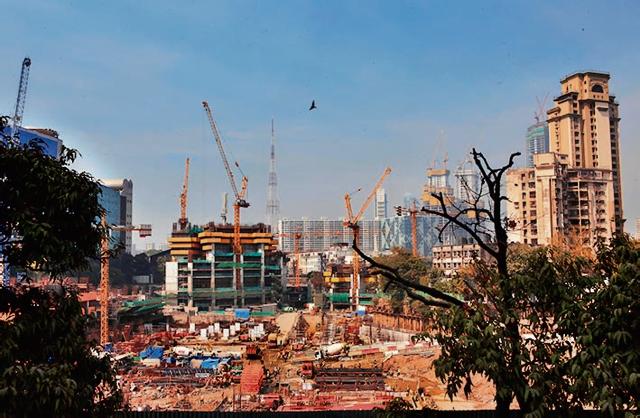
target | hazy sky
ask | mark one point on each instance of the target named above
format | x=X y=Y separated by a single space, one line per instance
x=123 y=82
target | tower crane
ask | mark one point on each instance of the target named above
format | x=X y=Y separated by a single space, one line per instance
x=17 y=121
x=240 y=201
x=22 y=97
x=413 y=217
x=183 y=221
x=351 y=221
x=144 y=231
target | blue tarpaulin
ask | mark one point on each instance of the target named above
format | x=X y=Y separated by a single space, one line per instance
x=152 y=352
x=210 y=363
x=243 y=313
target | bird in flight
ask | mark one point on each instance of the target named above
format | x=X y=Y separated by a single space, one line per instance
x=313 y=105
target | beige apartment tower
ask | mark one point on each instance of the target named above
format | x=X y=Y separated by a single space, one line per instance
x=574 y=191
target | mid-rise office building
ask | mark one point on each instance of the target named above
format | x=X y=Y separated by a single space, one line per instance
x=117 y=199
x=451 y=258
x=574 y=191
x=47 y=138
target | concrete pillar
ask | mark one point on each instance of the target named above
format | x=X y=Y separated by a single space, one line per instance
x=190 y=285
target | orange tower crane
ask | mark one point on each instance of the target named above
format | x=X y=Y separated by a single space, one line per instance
x=144 y=231
x=183 y=221
x=413 y=216
x=352 y=222
x=240 y=201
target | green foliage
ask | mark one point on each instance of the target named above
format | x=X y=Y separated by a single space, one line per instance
x=46 y=365
x=412 y=268
x=578 y=342
x=50 y=215
x=606 y=366
x=50 y=222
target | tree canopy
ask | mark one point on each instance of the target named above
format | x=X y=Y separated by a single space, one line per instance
x=49 y=222
x=50 y=217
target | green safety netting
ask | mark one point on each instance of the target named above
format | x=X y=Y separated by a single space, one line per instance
x=222 y=254
x=230 y=264
x=253 y=254
x=272 y=267
x=339 y=297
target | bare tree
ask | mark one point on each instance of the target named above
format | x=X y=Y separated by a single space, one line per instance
x=480 y=216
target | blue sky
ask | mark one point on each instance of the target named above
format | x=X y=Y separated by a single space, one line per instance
x=123 y=81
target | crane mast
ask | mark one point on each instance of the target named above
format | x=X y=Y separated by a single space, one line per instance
x=183 y=221
x=22 y=97
x=144 y=231
x=240 y=202
x=352 y=222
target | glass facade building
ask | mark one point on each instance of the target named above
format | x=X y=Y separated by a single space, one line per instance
x=50 y=144
x=537 y=140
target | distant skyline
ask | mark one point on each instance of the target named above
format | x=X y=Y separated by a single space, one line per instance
x=123 y=82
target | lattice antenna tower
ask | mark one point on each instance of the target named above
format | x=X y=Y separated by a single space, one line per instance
x=273 y=204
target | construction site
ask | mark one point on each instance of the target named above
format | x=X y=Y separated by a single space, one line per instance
x=246 y=360
x=248 y=327
x=241 y=325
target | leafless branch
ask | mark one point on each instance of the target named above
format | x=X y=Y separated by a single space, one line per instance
x=393 y=275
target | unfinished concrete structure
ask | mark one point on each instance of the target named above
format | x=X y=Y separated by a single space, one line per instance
x=206 y=274
x=338 y=279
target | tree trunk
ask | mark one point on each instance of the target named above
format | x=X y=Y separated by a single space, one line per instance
x=502 y=406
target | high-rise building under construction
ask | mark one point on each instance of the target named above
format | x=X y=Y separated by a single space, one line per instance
x=206 y=274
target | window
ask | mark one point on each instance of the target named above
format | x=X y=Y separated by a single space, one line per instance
x=597 y=88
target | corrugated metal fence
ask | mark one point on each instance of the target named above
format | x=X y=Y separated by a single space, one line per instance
x=336 y=414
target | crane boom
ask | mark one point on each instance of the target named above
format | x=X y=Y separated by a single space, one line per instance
x=225 y=161
x=22 y=95
x=371 y=196
x=240 y=202
x=352 y=222
x=183 y=197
